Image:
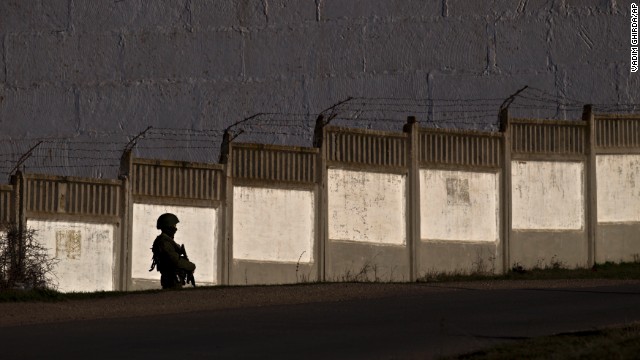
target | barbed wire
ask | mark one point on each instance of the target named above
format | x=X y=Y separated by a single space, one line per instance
x=95 y=152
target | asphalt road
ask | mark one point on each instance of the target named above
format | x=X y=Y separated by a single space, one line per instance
x=394 y=327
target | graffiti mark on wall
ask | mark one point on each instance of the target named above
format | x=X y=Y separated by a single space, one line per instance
x=458 y=192
x=68 y=244
x=459 y=206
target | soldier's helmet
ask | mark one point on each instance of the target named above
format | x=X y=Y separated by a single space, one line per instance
x=167 y=220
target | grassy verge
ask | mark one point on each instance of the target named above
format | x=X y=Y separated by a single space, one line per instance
x=48 y=295
x=622 y=271
x=619 y=343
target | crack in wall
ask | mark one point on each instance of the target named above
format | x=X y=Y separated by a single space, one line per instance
x=492 y=49
x=364 y=51
x=265 y=5
x=189 y=14
x=70 y=6
x=5 y=39
x=318 y=9
x=522 y=6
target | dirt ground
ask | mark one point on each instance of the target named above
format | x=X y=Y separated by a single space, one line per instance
x=219 y=298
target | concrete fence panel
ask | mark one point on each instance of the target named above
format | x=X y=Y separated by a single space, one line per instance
x=196 y=230
x=271 y=163
x=549 y=193
x=366 y=148
x=548 y=138
x=367 y=205
x=618 y=188
x=460 y=196
x=446 y=148
x=178 y=180
x=274 y=234
x=85 y=253
x=191 y=191
x=78 y=221
x=548 y=196
x=274 y=197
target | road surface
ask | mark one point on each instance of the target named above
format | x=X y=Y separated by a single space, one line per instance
x=412 y=321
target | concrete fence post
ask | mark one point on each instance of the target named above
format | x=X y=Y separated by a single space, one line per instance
x=226 y=243
x=505 y=194
x=591 y=195
x=322 y=207
x=20 y=213
x=413 y=195
x=126 y=222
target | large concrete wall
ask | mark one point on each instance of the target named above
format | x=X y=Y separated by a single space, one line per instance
x=106 y=69
x=84 y=251
x=197 y=230
x=273 y=236
x=618 y=199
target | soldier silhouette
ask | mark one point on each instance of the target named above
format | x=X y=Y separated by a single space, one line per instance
x=169 y=257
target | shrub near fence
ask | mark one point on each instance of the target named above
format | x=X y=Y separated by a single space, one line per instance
x=365 y=205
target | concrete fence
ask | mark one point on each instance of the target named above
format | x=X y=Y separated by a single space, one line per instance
x=362 y=206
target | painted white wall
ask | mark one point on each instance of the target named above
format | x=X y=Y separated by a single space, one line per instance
x=458 y=205
x=275 y=225
x=197 y=230
x=85 y=252
x=367 y=207
x=618 y=179
x=547 y=195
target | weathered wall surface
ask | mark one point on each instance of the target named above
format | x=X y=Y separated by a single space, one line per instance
x=197 y=230
x=274 y=236
x=547 y=195
x=548 y=214
x=618 y=178
x=273 y=225
x=460 y=222
x=92 y=67
x=458 y=205
x=367 y=226
x=85 y=252
x=367 y=207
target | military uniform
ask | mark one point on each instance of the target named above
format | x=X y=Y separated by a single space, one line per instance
x=166 y=254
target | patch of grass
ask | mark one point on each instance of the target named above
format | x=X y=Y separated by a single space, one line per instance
x=11 y=295
x=554 y=271
x=618 y=343
x=621 y=271
x=48 y=295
